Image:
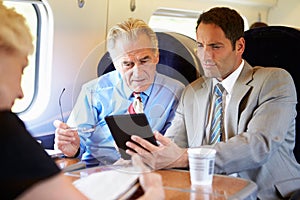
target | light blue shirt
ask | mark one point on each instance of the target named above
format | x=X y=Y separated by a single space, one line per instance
x=111 y=96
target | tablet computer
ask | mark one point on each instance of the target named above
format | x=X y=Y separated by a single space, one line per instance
x=123 y=126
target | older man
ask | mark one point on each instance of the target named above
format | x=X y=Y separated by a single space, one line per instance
x=133 y=47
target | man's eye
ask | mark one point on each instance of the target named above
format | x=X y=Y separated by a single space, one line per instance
x=144 y=61
x=216 y=46
x=127 y=64
x=199 y=45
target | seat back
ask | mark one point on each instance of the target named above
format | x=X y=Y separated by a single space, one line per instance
x=177 y=58
x=276 y=46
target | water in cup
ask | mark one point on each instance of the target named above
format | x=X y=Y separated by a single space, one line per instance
x=201 y=162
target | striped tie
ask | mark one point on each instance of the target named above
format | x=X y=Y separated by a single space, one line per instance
x=216 y=125
x=137 y=105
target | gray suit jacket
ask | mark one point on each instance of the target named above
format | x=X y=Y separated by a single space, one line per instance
x=260 y=126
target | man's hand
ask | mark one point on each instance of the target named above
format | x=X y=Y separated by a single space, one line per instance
x=66 y=140
x=166 y=155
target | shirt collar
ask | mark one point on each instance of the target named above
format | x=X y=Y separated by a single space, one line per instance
x=229 y=82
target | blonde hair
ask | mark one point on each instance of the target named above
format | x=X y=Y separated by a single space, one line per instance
x=14 y=32
x=128 y=31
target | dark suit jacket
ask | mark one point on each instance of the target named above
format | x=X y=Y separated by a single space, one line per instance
x=260 y=126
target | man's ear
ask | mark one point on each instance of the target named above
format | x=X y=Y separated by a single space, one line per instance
x=156 y=57
x=240 y=45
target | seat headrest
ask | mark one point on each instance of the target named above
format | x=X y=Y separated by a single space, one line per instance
x=276 y=46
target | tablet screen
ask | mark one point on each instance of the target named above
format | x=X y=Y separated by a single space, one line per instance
x=123 y=126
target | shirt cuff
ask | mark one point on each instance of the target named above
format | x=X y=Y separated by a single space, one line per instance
x=77 y=153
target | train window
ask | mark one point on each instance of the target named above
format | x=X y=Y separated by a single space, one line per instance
x=173 y=20
x=28 y=78
x=36 y=15
x=179 y=21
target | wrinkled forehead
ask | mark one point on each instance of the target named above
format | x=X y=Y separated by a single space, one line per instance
x=139 y=45
x=136 y=54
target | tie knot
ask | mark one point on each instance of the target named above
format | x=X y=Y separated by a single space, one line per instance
x=137 y=95
x=219 y=89
x=137 y=105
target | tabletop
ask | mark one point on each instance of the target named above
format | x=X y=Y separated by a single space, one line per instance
x=177 y=184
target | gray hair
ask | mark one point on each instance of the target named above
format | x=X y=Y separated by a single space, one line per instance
x=128 y=31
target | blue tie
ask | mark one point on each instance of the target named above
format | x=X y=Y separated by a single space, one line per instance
x=216 y=125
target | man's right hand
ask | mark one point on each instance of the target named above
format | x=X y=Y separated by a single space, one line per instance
x=66 y=140
x=166 y=155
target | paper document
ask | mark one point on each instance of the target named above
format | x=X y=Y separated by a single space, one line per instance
x=54 y=153
x=106 y=184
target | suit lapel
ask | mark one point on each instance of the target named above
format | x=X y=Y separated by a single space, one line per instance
x=240 y=89
x=200 y=119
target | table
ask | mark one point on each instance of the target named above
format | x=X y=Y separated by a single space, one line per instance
x=177 y=185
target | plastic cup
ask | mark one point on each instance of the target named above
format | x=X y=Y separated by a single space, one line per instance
x=202 y=162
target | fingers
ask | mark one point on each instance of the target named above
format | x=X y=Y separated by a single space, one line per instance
x=147 y=146
x=69 y=145
x=144 y=143
x=129 y=152
x=145 y=155
x=60 y=124
x=63 y=133
x=65 y=138
x=161 y=139
x=139 y=150
x=66 y=135
x=61 y=139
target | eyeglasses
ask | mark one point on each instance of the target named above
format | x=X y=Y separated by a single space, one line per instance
x=84 y=128
x=60 y=106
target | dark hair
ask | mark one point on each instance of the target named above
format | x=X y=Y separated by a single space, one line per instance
x=227 y=19
x=258 y=24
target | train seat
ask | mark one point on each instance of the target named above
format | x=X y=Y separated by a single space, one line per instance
x=277 y=46
x=176 y=58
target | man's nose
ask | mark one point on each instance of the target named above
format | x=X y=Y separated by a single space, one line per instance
x=207 y=53
x=137 y=68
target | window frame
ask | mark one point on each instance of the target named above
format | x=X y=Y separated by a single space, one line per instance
x=42 y=56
